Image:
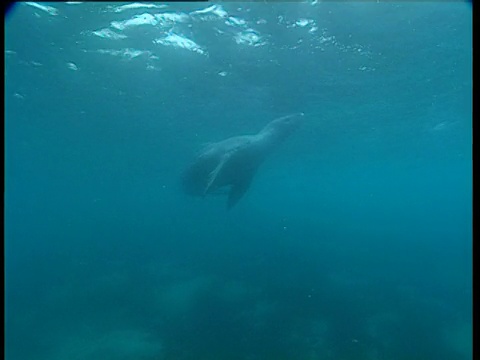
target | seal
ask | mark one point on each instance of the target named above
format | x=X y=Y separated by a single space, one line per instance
x=232 y=163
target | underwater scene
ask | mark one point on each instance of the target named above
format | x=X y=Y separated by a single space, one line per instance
x=238 y=180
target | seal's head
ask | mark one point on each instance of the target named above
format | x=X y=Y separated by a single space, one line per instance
x=281 y=128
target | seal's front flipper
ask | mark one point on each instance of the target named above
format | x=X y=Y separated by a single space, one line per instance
x=215 y=173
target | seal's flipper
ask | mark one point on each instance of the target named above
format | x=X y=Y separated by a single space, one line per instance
x=215 y=172
x=236 y=193
x=239 y=189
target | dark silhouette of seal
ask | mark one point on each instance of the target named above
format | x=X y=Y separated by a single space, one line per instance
x=233 y=162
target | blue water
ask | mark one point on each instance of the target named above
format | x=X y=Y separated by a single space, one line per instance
x=354 y=240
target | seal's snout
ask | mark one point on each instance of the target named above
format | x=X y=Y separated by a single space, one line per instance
x=294 y=121
x=297 y=117
x=284 y=126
